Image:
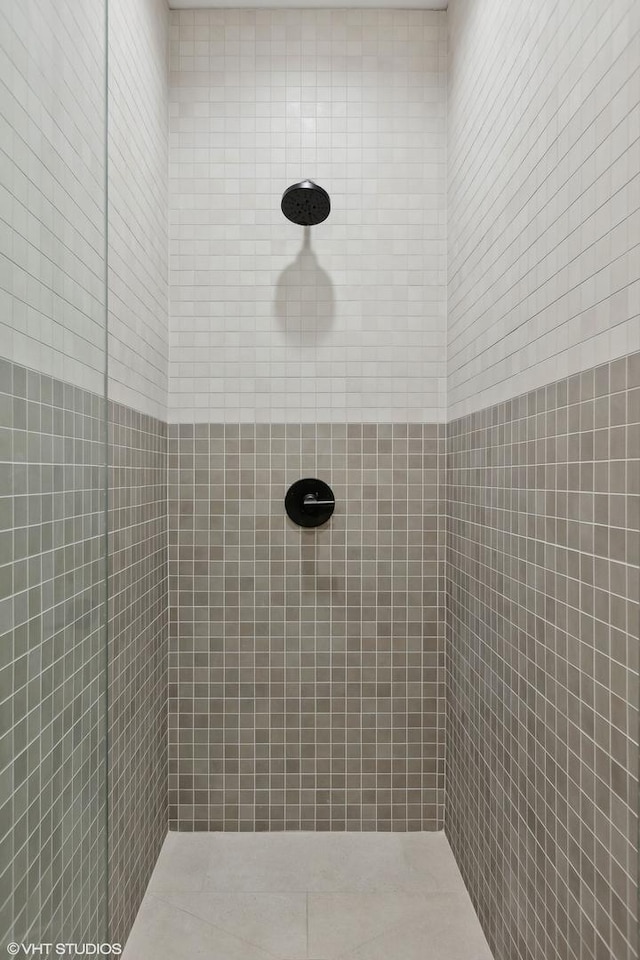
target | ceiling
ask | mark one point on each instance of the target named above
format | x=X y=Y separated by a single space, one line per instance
x=309 y=4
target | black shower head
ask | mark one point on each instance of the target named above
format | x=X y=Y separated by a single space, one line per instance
x=306 y=203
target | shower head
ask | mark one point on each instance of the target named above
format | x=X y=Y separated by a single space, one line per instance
x=306 y=203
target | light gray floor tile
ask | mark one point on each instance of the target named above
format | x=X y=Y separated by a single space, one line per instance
x=339 y=922
x=306 y=896
x=163 y=932
x=357 y=862
x=276 y=922
x=182 y=864
x=447 y=930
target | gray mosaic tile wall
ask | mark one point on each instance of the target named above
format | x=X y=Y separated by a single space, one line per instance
x=542 y=665
x=53 y=843
x=138 y=658
x=306 y=666
x=52 y=660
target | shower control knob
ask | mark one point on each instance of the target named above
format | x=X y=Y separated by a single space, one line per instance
x=309 y=502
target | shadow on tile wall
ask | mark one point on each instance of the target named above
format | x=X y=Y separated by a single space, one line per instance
x=304 y=301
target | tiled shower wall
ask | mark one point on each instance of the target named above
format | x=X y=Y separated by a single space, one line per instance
x=138 y=204
x=543 y=203
x=137 y=349
x=52 y=122
x=300 y=659
x=543 y=553
x=52 y=444
x=52 y=451
x=306 y=666
x=347 y=323
x=53 y=223
x=52 y=666
x=138 y=658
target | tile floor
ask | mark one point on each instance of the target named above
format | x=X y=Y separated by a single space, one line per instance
x=306 y=896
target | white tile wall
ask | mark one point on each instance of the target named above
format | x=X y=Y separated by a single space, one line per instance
x=544 y=192
x=52 y=197
x=544 y=201
x=138 y=204
x=352 y=326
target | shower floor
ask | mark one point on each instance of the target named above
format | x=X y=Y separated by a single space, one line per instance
x=306 y=896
